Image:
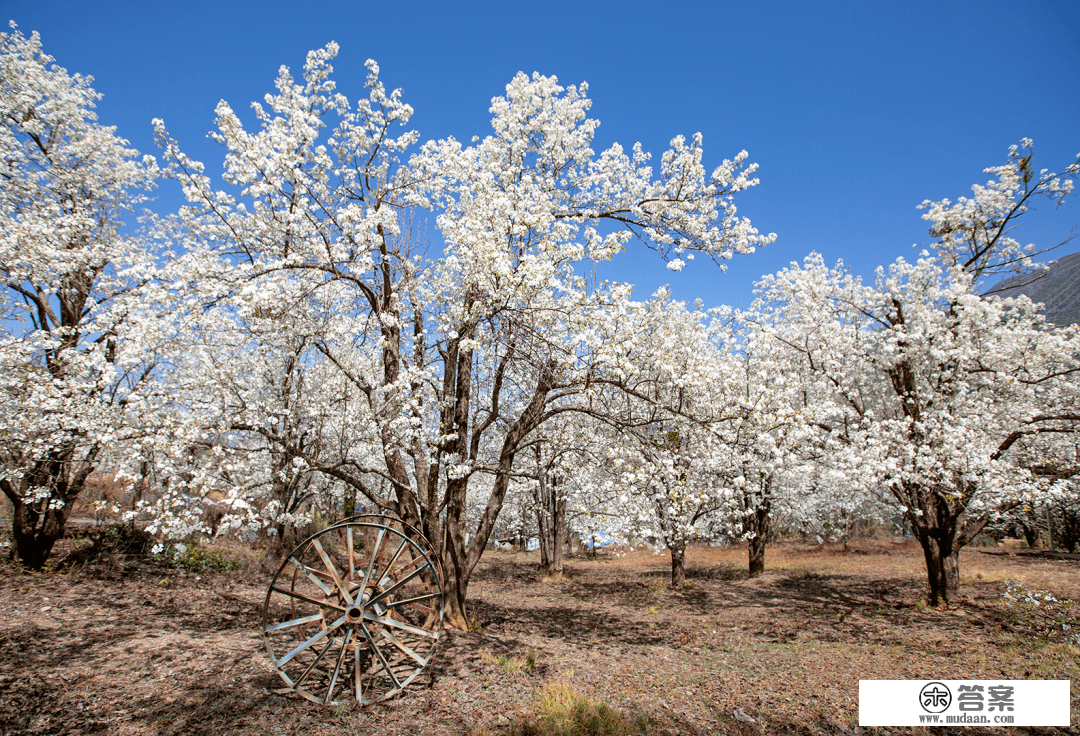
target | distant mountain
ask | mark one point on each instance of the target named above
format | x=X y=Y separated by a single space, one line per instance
x=1058 y=289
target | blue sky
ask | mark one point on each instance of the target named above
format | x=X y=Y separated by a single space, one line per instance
x=855 y=111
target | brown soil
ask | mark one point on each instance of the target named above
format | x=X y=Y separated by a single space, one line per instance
x=144 y=649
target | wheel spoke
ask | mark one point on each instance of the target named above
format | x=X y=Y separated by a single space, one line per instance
x=352 y=556
x=379 y=654
x=394 y=640
x=399 y=625
x=357 y=674
x=296 y=622
x=374 y=556
x=311 y=641
x=311 y=667
x=337 y=667
x=414 y=601
x=333 y=572
x=398 y=584
x=308 y=599
x=310 y=574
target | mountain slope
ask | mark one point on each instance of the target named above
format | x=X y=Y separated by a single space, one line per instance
x=1058 y=289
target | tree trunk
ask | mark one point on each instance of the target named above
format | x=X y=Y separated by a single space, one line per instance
x=35 y=534
x=942 y=553
x=455 y=587
x=759 y=522
x=560 y=533
x=756 y=554
x=938 y=594
x=455 y=558
x=37 y=526
x=1031 y=535
x=348 y=506
x=459 y=561
x=678 y=564
x=275 y=545
x=547 y=551
x=551 y=520
x=942 y=528
x=952 y=572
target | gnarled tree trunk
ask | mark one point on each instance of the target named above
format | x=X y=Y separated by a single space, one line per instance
x=37 y=524
x=942 y=531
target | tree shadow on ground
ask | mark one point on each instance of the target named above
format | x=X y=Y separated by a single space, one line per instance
x=641 y=609
x=573 y=623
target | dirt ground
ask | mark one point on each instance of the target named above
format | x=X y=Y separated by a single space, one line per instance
x=140 y=648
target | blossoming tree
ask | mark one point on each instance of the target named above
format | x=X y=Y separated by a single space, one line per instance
x=75 y=346
x=457 y=356
x=962 y=406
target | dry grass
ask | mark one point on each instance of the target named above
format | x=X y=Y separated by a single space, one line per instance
x=565 y=711
x=152 y=650
x=788 y=648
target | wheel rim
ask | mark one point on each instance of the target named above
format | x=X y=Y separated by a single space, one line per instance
x=354 y=612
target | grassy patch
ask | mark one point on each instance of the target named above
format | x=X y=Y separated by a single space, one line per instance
x=512 y=665
x=474 y=623
x=564 y=711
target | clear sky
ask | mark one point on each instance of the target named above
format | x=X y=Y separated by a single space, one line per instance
x=855 y=111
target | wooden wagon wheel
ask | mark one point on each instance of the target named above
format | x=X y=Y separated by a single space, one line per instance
x=355 y=611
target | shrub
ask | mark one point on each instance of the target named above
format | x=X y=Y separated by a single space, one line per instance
x=109 y=545
x=1042 y=614
x=195 y=558
x=124 y=539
